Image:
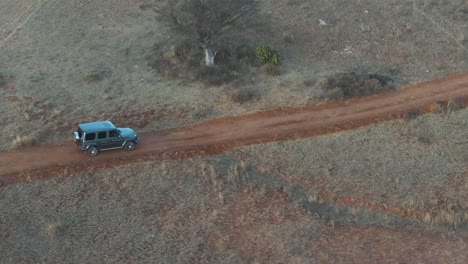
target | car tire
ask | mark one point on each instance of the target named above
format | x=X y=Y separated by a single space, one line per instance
x=130 y=145
x=92 y=151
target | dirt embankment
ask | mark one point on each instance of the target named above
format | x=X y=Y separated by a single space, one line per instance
x=219 y=135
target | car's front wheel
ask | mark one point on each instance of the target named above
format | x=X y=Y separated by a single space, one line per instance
x=130 y=146
x=92 y=151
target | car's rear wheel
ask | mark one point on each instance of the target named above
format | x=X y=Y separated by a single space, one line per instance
x=92 y=151
x=130 y=146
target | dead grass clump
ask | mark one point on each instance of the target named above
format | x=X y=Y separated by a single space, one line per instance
x=271 y=69
x=184 y=54
x=238 y=174
x=24 y=141
x=209 y=176
x=446 y=217
x=91 y=77
x=97 y=75
x=348 y=85
x=455 y=104
x=309 y=82
x=245 y=95
x=55 y=229
x=213 y=75
x=447 y=107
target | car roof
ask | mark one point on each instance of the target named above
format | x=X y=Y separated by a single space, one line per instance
x=97 y=126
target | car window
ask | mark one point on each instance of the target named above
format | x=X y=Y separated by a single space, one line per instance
x=90 y=136
x=102 y=135
x=113 y=133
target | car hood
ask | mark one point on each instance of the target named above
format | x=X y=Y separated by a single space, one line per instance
x=127 y=132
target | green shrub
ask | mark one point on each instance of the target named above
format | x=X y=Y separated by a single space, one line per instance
x=267 y=55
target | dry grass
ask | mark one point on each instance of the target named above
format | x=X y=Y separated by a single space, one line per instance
x=55 y=229
x=169 y=217
x=237 y=174
x=25 y=141
x=271 y=69
x=446 y=217
x=210 y=176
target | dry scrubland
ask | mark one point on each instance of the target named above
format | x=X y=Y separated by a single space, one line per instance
x=346 y=197
x=266 y=203
x=59 y=60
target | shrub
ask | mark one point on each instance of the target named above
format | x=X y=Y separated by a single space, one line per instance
x=97 y=75
x=412 y=113
x=271 y=69
x=245 y=95
x=455 y=104
x=267 y=55
x=213 y=75
x=348 y=85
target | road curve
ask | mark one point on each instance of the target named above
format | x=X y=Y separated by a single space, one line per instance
x=219 y=135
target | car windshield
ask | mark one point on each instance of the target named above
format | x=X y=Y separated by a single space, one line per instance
x=80 y=133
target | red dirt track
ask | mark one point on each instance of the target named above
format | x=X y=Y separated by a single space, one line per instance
x=219 y=135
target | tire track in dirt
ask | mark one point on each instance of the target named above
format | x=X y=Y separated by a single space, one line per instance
x=222 y=134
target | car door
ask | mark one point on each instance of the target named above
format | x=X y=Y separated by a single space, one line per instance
x=115 y=139
x=89 y=139
x=103 y=140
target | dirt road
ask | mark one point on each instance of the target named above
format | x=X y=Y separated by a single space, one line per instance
x=218 y=135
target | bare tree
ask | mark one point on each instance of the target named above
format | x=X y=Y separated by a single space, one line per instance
x=203 y=20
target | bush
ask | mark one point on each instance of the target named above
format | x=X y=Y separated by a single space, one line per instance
x=267 y=55
x=348 y=85
x=97 y=75
x=213 y=75
x=245 y=95
x=271 y=69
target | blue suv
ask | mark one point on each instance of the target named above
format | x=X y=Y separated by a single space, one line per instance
x=103 y=135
